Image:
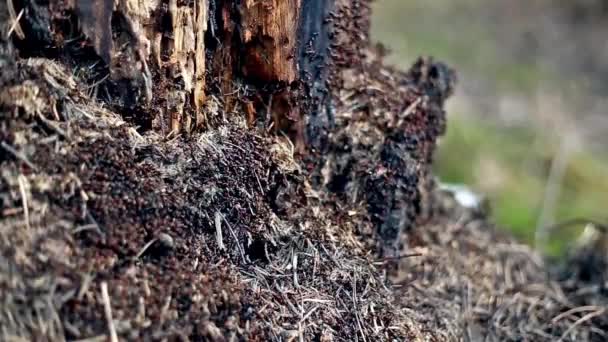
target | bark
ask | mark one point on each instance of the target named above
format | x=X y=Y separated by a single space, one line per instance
x=166 y=64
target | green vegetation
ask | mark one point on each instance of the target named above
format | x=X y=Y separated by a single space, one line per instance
x=511 y=167
x=509 y=163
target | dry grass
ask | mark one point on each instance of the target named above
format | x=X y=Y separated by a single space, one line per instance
x=471 y=283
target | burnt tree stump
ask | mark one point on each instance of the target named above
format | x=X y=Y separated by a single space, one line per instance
x=304 y=68
x=160 y=61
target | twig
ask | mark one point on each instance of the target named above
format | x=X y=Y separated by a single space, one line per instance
x=98 y=82
x=398 y=257
x=294 y=266
x=218 y=230
x=598 y=226
x=84 y=286
x=552 y=192
x=236 y=146
x=26 y=212
x=16 y=26
x=356 y=308
x=11 y=211
x=108 y=311
x=235 y=238
x=212 y=21
x=259 y=183
x=52 y=126
x=99 y=338
x=165 y=309
x=145 y=247
x=305 y=317
x=582 y=320
x=573 y=311
x=17 y=155
x=268 y=113
x=411 y=107
x=602 y=227
x=94 y=222
x=90 y=226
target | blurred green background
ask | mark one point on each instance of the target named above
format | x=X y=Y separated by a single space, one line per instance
x=528 y=124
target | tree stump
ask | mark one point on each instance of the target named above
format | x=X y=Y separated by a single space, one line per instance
x=303 y=68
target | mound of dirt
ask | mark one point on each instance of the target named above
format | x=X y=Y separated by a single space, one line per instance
x=108 y=230
x=206 y=237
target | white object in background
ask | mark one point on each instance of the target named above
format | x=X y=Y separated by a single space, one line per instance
x=463 y=195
